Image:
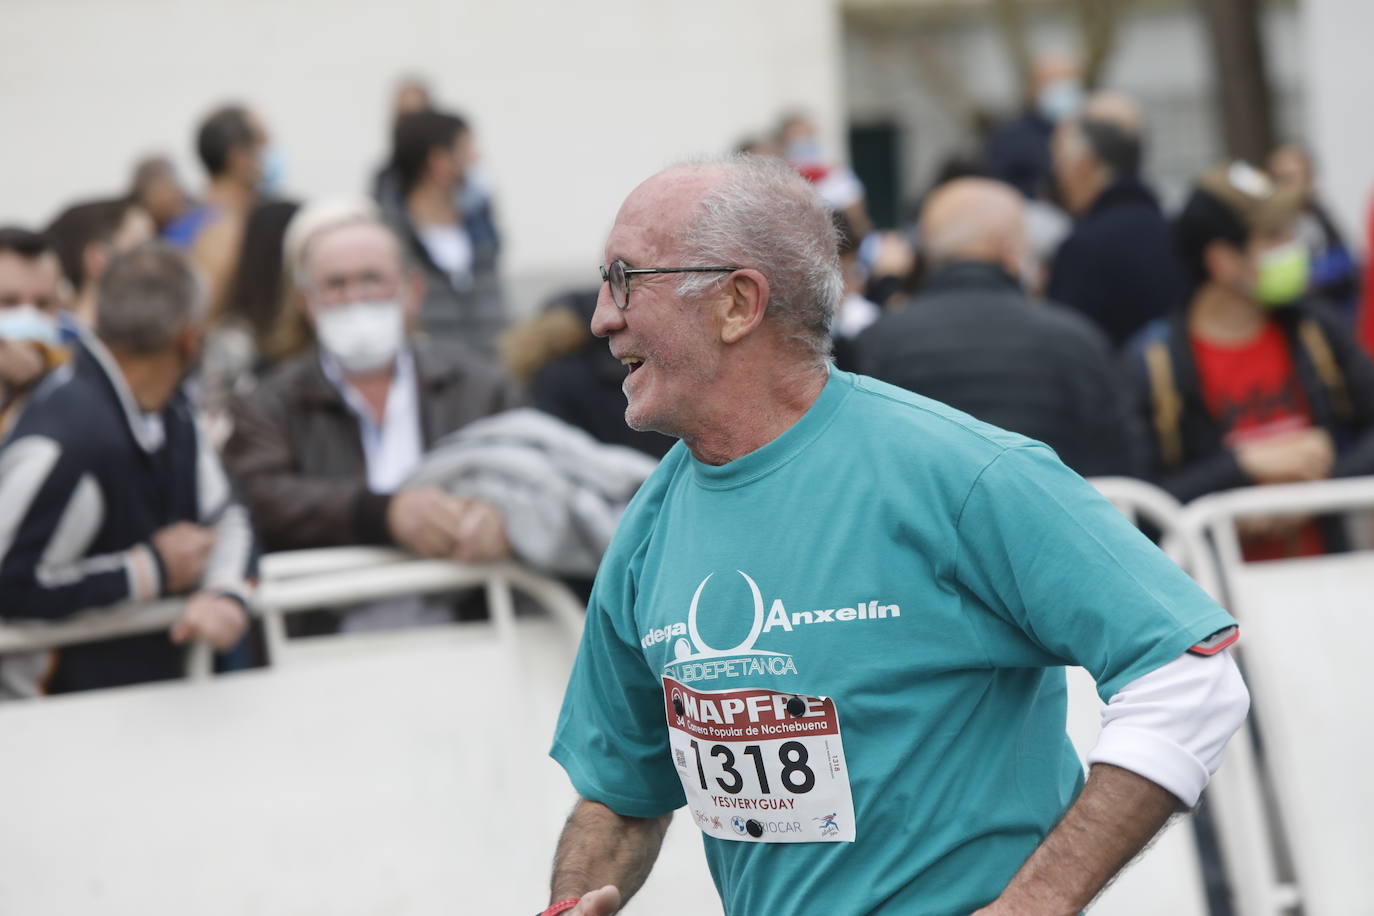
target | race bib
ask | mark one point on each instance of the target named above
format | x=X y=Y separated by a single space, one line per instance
x=760 y=766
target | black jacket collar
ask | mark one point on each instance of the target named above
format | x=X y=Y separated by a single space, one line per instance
x=958 y=275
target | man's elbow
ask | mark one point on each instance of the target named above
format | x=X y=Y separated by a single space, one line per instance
x=1172 y=725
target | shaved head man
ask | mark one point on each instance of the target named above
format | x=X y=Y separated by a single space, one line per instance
x=837 y=758
x=975 y=219
x=974 y=339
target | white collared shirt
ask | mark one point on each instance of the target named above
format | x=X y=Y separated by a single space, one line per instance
x=393 y=449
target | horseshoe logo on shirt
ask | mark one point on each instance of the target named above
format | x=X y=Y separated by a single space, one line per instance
x=749 y=640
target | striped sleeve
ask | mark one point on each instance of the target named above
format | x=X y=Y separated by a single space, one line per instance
x=50 y=511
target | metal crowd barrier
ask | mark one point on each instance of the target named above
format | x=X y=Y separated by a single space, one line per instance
x=304 y=580
x=1305 y=628
x=1310 y=710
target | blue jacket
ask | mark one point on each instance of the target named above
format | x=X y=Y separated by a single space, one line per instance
x=1018 y=152
x=1118 y=265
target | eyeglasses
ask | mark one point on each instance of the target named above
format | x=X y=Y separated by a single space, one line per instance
x=618 y=276
x=367 y=284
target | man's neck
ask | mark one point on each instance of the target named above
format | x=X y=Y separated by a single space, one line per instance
x=151 y=380
x=374 y=388
x=228 y=194
x=1223 y=316
x=773 y=405
x=431 y=204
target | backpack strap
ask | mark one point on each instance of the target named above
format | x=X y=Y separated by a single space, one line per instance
x=1168 y=405
x=1328 y=370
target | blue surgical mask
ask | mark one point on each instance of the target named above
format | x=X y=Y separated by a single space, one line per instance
x=807 y=149
x=476 y=189
x=273 y=172
x=1059 y=99
x=28 y=322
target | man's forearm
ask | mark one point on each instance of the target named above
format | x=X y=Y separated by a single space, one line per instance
x=1114 y=817
x=599 y=847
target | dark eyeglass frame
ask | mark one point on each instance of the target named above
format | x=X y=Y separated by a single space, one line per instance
x=608 y=275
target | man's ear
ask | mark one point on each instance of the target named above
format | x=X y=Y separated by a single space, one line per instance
x=188 y=341
x=744 y=306
x=93 y=260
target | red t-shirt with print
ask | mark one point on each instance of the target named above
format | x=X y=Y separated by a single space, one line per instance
x=1252 y=390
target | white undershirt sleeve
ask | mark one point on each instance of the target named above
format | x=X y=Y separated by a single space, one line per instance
x=1171 y=725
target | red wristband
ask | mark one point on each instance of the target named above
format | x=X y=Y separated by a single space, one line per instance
x=561 y=906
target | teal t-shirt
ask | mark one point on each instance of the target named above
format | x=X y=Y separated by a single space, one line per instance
x=931 y=575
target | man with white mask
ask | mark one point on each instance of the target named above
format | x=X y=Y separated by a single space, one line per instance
x=324 y=445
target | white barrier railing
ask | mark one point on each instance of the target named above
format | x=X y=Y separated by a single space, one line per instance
x=304 y=580
x=1287 y=647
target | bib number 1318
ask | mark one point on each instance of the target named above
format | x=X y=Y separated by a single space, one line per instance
x=796 y=776
x=760 y=766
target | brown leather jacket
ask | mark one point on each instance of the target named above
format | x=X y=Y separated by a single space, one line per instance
x=296 y=450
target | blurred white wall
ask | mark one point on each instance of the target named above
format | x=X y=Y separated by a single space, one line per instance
x=1340 y=80
x=573 y=102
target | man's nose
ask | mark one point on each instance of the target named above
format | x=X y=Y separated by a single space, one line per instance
x=608 y=317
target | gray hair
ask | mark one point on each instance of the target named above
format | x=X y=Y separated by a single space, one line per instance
x=325 y=215
x=146 y=296
x=765 y=216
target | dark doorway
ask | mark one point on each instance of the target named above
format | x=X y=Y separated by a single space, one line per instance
x=874 y=151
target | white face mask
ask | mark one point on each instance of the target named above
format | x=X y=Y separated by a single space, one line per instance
x=362 y=336
x=28 y=322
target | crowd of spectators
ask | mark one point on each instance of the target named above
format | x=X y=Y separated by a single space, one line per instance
x=190 y=380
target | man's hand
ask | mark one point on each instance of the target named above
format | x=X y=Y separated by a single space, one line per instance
x=184 y=548
x=440 y=526
x=601 y=902
x=1307 y=454
x=421 y=519
x=212 y=618
x=481 y=533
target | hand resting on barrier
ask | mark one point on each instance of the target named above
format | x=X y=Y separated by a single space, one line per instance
x=211 y=618
x=1307 y=454
x=440 y=526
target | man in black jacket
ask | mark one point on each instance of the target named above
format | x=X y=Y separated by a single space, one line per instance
x=974 y=339
x=1117 y=265
x=1250 y=383
x=109 y=493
